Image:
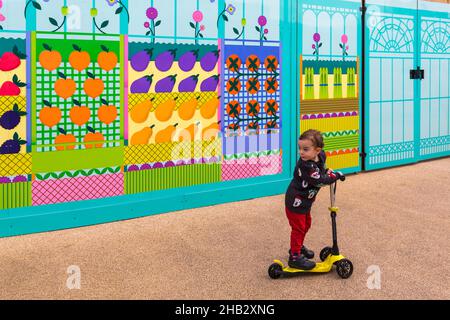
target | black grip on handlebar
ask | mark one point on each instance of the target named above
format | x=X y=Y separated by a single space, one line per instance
x=342 y=178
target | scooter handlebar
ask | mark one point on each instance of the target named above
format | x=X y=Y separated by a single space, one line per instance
x=342 y=177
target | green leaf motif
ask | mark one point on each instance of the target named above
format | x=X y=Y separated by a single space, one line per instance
x=258 y=29
x=104 y=24
x=225 y=18
x=37 y=5
x=119 y=10
x=53 y=22
x=236 y=31
x=192 y=25
x=157 y=23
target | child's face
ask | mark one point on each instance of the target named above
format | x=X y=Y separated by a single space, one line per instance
x=307 y=150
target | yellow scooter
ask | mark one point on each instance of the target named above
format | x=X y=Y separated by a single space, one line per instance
x=329 y=255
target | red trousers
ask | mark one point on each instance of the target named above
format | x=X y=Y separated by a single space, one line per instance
x=300 y=224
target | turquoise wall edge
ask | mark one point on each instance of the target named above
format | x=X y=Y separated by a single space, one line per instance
x=29 y=220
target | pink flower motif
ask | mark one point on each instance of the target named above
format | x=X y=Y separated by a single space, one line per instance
x=152 y=13
x=146 y=24
x=346 y=47
x=266 y=31
x=316 y=37
x=344 y=39
x=262 y=21
x=197 y=16
x=2 y=18
x=202 y=27
x=313 y=46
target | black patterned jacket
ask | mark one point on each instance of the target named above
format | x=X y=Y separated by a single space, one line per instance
x=309 y=177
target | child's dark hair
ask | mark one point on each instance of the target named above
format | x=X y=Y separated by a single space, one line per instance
x=315 y=136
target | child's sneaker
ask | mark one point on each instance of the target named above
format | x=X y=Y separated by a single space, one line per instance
x=309 y=254
x=300 y=262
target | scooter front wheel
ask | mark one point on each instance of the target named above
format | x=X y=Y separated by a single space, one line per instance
x=275 y=271
x=344 y=268
x=324 y=253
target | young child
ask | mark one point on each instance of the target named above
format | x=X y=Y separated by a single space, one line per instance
x=310 y=175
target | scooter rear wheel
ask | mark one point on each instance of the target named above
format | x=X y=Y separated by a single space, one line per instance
x=344 y=268
x=275 y=271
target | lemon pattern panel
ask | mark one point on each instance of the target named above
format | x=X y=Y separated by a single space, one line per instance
x=153 y=117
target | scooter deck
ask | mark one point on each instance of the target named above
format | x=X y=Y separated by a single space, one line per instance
x=320 y=267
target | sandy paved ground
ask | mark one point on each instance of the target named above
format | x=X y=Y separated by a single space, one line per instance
x=396 y=219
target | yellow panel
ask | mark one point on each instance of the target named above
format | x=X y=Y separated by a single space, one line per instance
x=331 y=124
x=172 y=151
x=342 y=161
x=15 y=164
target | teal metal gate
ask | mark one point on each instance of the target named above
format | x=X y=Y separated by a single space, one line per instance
x=435 y=88
x=391 y=115
x=406 y=118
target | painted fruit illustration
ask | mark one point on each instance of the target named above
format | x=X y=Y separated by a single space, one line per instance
x=210 y=84
x=106 y=59
x=270 y=126
x=49 y=116
x=49 y=59
x=166 y=134
x=12 y=88
x=271 y=63
x=271 y=107
x=65 y=87
x=164 y=60
x=141 y=60
x=140 y=112
x=64 y=138
x=209 y=109
x=142 y=85
x=189 y=133
x=189 y=84
x=107 y=113
x=234 y=109
x=165 y=110
x=253 y=128
x=187 y=61
x=233 y=86
x=79 y=114
x=187 y=109
x=209 y=60
x=271 y=85
x=233 y=63
x=13 y=145
x=253 y=63
x=142 y=136
x=93 y=138
x=253 y=108
x=166 y=84
x=79 y=60
x=253 y=86
x=211 y=131
x=11 y=60
x=93 y=87
x=11 y=119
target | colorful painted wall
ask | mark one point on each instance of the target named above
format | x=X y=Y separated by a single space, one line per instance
x=114 y=109
x=105 y=98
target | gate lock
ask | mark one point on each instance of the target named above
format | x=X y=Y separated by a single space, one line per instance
x=417 y=74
